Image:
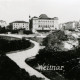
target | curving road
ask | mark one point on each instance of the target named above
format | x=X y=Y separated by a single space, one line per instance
x=20 y=57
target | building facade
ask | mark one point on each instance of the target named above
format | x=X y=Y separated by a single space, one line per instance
x=79 y=25
x=3 y=23
x=43 y=22
x=72 y=25
x=19 y=25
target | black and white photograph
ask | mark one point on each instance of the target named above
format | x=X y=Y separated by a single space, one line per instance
x=39 y=39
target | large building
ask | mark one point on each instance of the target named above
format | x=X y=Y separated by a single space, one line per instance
x=3 y=23
x=19 y=25
x=43 y=22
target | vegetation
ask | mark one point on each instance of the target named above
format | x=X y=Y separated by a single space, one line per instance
x=14 y=31
x=52 y=75
x=10 y=71
x=37 y=39
x=54 y=39
x=24 y=31
x=13 y=45
x=50 y=56
x=27 y=32
x=4 y=30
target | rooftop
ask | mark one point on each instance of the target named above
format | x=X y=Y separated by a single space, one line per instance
x=19 y=22
x=44 y=16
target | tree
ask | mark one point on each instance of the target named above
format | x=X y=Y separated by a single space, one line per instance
x=54 y=39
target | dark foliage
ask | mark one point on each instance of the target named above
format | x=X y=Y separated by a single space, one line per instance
x=10 y=71
x=53 y=57
x=14 y=31
x=4 y=30
x=74 y=73
x=68 y=59
x=27 y=32
x=54 y=39
x=13 y=45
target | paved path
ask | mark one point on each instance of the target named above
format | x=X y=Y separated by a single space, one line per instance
x=20 y=57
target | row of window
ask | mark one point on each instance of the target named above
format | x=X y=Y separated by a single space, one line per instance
x=47 y=26
x=23 y=28
x=18 y=24
x=44 y=21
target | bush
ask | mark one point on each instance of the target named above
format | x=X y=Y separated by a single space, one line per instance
x=27 y=32
x=13 y=45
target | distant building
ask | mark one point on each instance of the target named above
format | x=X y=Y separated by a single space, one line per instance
x=79 y=25
x=43 y=22
x=3 y=23
x=61 y=26
x=72 y=25
x=19 y=25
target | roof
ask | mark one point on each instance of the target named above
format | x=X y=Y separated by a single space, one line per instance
x=35 y=17
x=72 y=22
x=19 y=22
x=55 y=18
x=43 y=16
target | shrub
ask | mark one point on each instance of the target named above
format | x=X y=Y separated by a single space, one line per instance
x=13 y=45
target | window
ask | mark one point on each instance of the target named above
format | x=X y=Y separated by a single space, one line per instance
x=39 y=25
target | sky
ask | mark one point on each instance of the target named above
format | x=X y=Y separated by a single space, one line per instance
x=65 y=10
